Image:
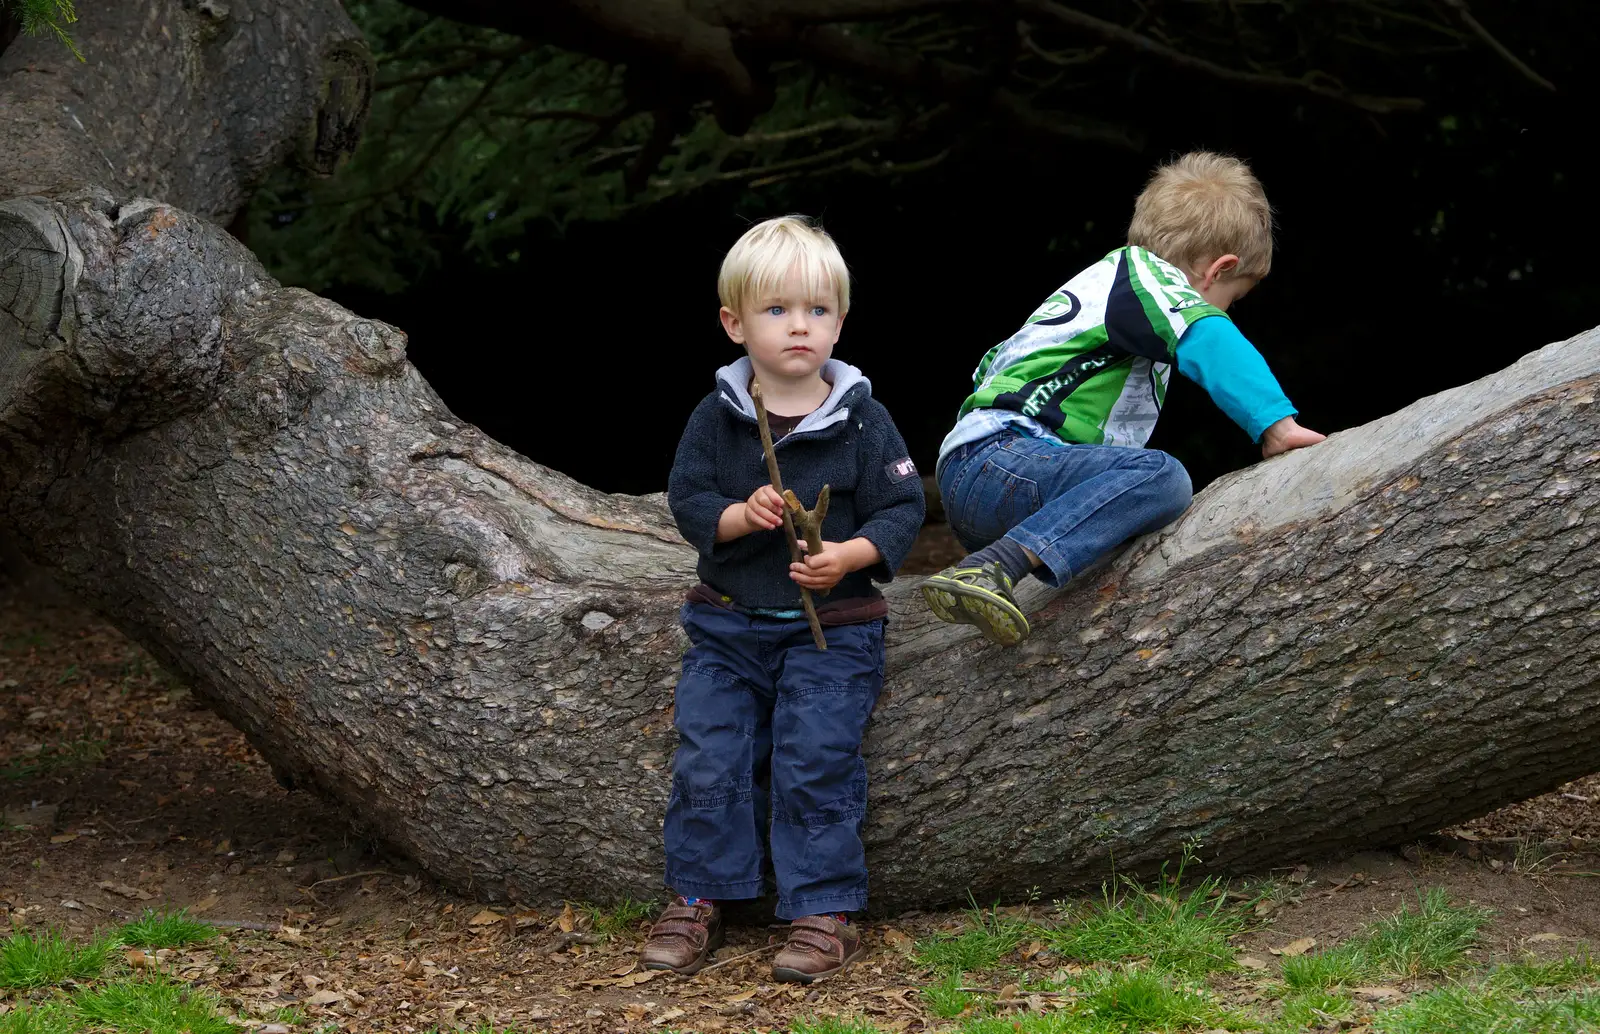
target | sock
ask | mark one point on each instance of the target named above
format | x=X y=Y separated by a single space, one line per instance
x=691 y=902
x=841 y=918
x=1007 y=553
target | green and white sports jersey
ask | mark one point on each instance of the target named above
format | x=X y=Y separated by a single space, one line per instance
x=1091 y=364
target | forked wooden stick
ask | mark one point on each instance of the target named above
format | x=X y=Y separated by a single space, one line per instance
x=788 y=521
x=810 y=521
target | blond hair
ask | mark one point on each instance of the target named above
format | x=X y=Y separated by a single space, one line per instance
x=761 y=261
x=1199 y=207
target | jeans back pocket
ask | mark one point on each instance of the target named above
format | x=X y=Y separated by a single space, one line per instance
x=996 y=500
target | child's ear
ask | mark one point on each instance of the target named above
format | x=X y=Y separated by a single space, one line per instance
x=732 y=324
x=1220 y=268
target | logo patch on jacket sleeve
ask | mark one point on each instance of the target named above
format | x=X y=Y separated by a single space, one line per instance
x=901 y=469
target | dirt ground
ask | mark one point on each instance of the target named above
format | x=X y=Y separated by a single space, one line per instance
x=120 y=793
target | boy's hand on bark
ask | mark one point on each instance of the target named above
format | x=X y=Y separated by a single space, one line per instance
x=1286 y=435
x=764 y=509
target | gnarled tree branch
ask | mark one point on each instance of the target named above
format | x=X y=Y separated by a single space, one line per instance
x=1060 y=14
x=256 y=93
x=662 y=35
x=1477 y=28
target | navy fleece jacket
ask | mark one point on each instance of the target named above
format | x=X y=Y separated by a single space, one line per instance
x=849 y=443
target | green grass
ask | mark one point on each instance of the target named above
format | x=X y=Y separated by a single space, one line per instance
x=1429 y=940
x=39 y=1019
x=1508 y=1000
x=1477 y=1010
x=1505 y=999
x=30 y=960
x=1033 y=1023
x=620 y=918
x=152 y=1006
x=1138 y=999
x=1569 y=971
x=59 y=755
x=1177 y=933
x=1127 y=1000
x=944 y=997
x=834 y=1025
x=1341 y=966
x=25 y=641
x=1313 y=1009
x=155 y=930
x=128 y=1006
x=991 y=938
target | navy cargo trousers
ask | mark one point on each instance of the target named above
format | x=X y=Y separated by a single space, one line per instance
x=770 y=727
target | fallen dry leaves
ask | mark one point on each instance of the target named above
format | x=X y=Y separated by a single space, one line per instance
x=1299 y=946
x=123 y=890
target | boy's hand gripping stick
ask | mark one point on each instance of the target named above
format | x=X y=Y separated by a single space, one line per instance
x=811 y=519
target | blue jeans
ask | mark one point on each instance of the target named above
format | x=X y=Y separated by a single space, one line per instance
x=1068 y=505
x=769 y=724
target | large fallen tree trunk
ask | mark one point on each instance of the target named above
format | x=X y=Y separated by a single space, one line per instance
x=1349 y=645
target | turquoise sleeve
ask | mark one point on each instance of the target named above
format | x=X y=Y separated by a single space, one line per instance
x=1214 y=355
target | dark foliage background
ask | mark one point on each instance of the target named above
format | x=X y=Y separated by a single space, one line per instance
x=574 y=317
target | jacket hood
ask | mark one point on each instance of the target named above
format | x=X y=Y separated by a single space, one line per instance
x=849 y=385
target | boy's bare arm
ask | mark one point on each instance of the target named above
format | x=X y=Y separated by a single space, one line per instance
x=763 y=511
x=1286 y=435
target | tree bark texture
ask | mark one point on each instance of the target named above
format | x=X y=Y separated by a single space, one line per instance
x=1346 y=646
x=190 y=101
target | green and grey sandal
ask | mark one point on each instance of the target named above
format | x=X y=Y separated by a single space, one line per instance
x=978 y=596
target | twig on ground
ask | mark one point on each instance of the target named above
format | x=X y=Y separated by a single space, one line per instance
x=241 y=924
x=117 y=912
x=744 y=955
x=100 y=819
x=223 y=924
x=563 y=941
x=351 y=876
x=142 y=818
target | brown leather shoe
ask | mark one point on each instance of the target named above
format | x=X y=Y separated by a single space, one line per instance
x=683 y=939
x=818 y=946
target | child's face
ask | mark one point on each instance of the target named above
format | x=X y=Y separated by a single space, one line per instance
x=788 y=334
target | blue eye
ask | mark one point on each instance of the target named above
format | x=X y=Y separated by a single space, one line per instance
x=774 y=310
x=819 y=310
